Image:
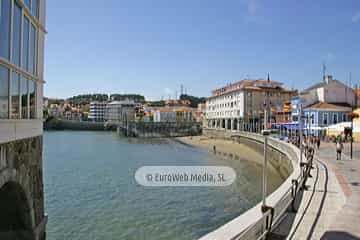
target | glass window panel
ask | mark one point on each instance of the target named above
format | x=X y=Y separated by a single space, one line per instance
x=15 y=95
x=16 y=35
x=34 y=8
x=5 y=28
x=25 y=48
x=24 y=97
x=32 y=93
x=32 y=50
x=4 y=92
x=27 y=3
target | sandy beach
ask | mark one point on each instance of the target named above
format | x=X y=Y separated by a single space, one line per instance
x=224 y=146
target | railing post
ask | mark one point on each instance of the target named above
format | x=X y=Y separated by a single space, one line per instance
x=294 y=189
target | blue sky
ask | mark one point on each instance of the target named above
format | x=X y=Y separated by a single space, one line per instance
x=150 y=47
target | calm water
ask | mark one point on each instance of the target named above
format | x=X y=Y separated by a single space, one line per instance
x=91 y=192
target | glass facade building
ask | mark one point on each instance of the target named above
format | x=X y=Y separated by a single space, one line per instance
x=22 y=35
x=21 y=58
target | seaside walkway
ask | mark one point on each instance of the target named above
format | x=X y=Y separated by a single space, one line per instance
x=330 y=206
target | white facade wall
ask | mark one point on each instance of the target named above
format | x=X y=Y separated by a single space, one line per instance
x=333 y=92
x=164 y=116
x=97 y=111
x=120 y=111
x=320 y=93
x=229 y=105
x=336 y=92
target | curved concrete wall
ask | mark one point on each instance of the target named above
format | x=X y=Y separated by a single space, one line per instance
x=278 y=160
x=251 y=224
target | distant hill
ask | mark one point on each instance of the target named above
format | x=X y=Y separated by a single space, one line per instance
x=87 y=98
x=121 y=97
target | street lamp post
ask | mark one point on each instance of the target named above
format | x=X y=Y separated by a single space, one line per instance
x=300 y=133
x=265 y=133
x=352 y=115
x=309 y=128
x=351 y=138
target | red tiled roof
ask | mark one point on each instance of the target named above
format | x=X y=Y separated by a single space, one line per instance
x=244 y=85
x=328 y=106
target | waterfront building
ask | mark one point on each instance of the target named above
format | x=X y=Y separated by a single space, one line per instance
x=283 y=118
x=97 y=111
x=56 y=110
x=174 y=114
x=73 y=114
x=357 y=96
x=200 y=112
x=139 y=112
x=120 y=111
x=283 y=113
x=240 y=105
x=295 y=109
x=328 y=90
x=185 y=114
x=22 y=34
x=164 y=114
x=323 y=115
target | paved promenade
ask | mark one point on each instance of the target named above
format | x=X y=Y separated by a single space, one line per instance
x=330 y=207
x=346 y=225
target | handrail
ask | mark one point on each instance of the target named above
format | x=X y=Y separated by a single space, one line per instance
x=254 y=224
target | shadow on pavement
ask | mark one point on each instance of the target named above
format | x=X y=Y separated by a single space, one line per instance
x=336 y=235
x=287 y=224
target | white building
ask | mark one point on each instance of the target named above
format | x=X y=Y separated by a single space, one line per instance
x=97 y=111
x=240 y=105
x=56 y=110
x=164 y=115
x=328 y=91
x=120 y=111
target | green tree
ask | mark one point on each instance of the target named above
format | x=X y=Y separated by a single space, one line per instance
x=194 y=101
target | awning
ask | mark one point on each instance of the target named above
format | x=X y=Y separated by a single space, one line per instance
x=289 y=126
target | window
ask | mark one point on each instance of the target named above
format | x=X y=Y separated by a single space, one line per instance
x=24 y=97
x=32 y=95
x=27 y=3
x=325 y=118
x=312 y=118
x=344 y=117
x=5 y=29
x=15 y=95
x=306 y=120
x=32 y=50
x=4 y=92
x=25 y=46
x=335 y=118
x=35 y=8
x=16 y=35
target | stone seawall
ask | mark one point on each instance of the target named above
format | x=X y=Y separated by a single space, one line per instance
x=57 y=124
x=22 y=213
x=161 y=129
x=277 y=159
